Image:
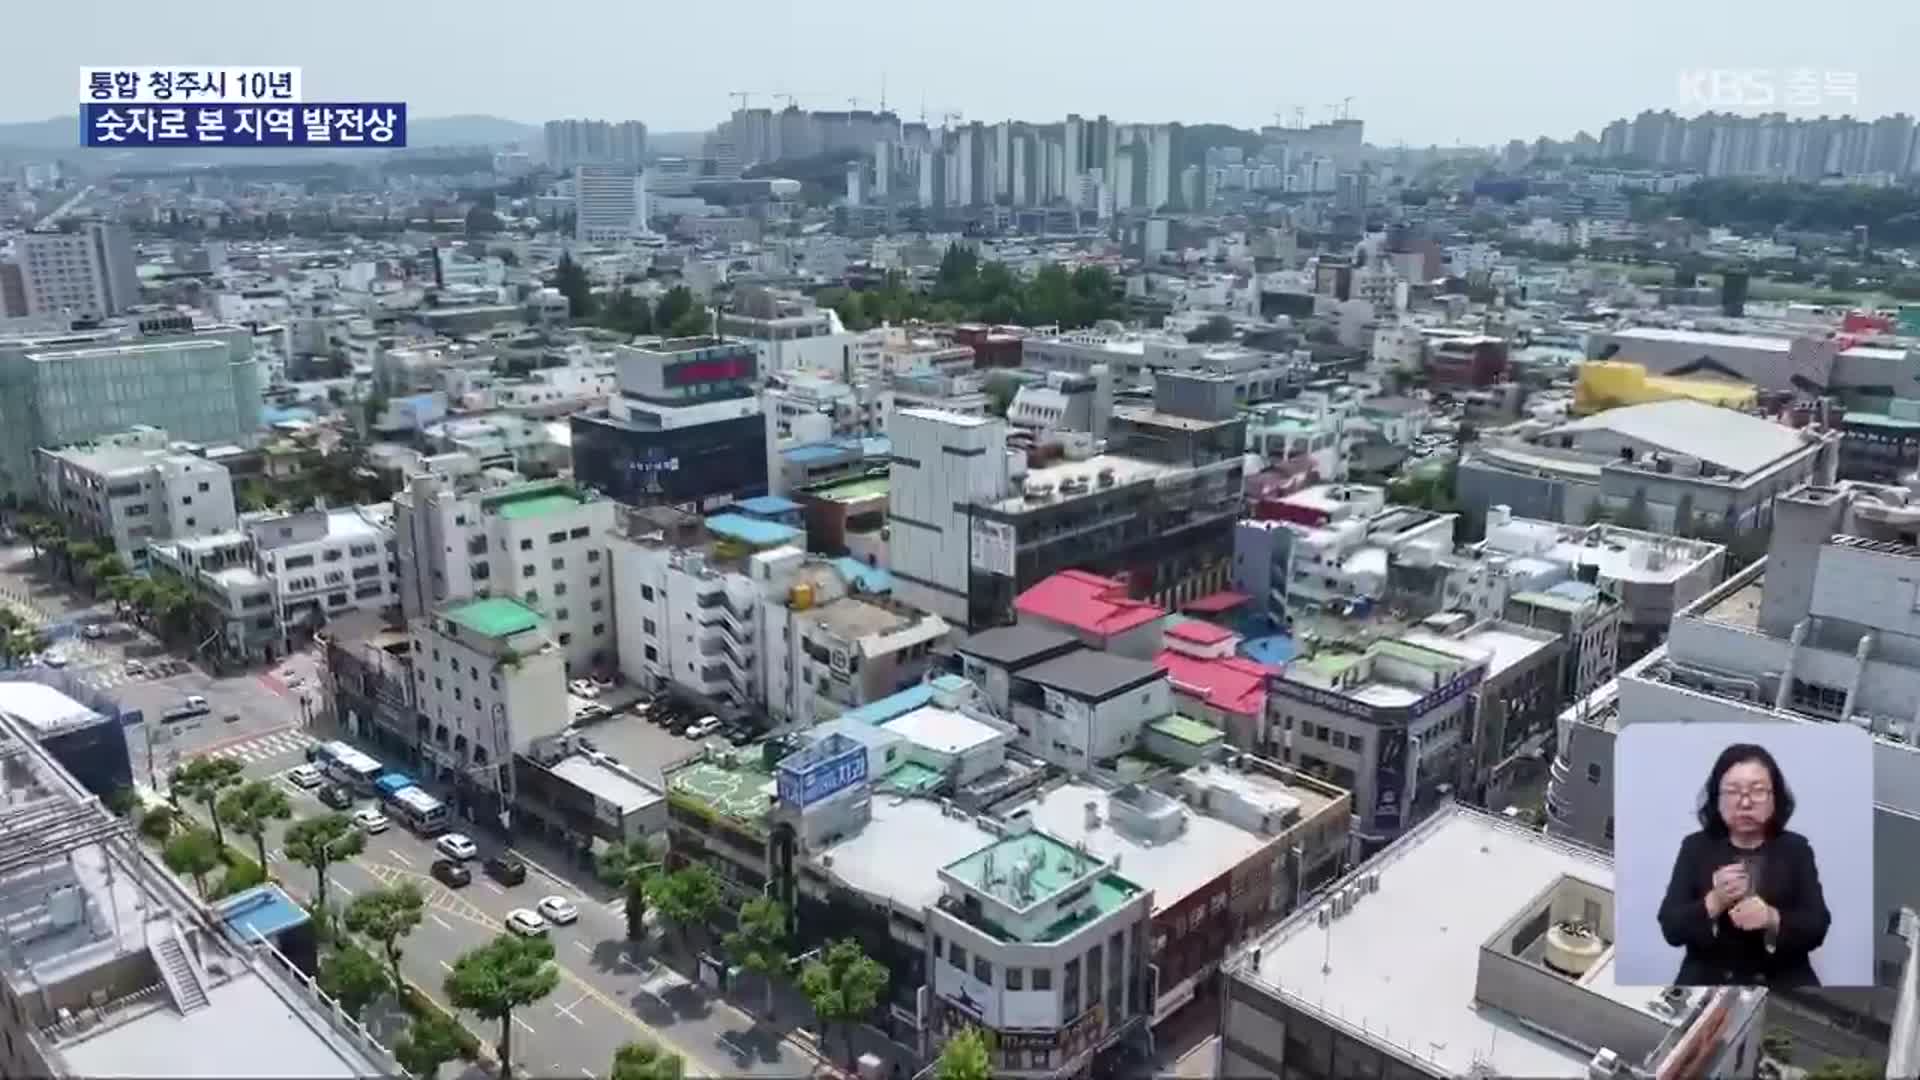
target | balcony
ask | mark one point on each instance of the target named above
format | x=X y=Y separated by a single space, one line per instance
x=737 y=627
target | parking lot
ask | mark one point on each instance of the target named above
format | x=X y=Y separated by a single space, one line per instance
x=647 y=743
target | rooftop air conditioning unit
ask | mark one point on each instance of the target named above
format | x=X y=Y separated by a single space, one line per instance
x=1322 y=918
x=1604 y=1066
x=1572 y=948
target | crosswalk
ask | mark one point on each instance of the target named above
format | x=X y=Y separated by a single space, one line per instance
x=278 y=744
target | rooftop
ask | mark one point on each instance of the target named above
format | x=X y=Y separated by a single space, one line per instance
x=495 y=617
x=1087 y=601
x=767 y=506
x=865 y=487
x=1232 y=684
x=1403 y=963
x=1205 y=848
x=1199 y=632
x=537 y=502
x=1187 y=730
x=1119 y=470
x=943 y=731
x=753 y=532
x=898 y=854
x=1055 y=864
x=891 y=706
x=1738 y=442
x=1011 y=646
x=735 y=786
x=1089 y=673
x=42 y=708
x=605 y=784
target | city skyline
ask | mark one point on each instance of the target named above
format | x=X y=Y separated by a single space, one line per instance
x=1427 y=77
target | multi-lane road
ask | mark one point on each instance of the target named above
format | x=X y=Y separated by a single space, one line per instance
x=609 y=993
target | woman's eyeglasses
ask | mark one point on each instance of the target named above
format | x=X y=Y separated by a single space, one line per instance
x=1747 y=794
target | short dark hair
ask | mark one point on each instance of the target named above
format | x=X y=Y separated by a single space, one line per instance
x=1739 y=754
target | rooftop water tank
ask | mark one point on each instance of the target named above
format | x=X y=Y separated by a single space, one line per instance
x=1572 y=948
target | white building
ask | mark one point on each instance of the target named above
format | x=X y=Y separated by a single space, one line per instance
x=731 y=609
x=609 y=203
x=789 y=332
x=1820 y=631
x=542 y=543
x=942 y=462
x=489 y=679
x=1511 y=934
x=88 y=273
x=324 y=563
x=803 y=407
x=132 y=490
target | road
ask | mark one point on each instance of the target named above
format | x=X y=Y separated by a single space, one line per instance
x=603 y=999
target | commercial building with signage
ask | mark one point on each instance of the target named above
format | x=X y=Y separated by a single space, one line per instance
x=1472 y=946
x=683 y=428
x=1391 y=723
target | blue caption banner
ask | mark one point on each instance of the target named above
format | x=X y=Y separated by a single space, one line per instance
x=355 y=124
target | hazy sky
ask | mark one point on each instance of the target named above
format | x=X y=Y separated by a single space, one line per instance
x=1418 y=71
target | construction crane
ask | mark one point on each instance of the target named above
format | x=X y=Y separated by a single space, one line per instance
x=791 y=100
x=740 y=98
x=1346 y=107
x=1300 y=116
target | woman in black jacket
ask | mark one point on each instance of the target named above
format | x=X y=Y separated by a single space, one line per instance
x=1745 y=899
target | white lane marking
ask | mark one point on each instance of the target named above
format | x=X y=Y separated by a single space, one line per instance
x=618 y=907
x=446 y=965
x=342 y=888
x=583 y=947
x=444 y=924
x=404 y=861
x=731 y=1045
x=588 y=1073
x=498 y=891
x=567 y=1011
x=528 y=1028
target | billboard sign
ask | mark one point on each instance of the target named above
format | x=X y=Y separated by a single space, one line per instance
x=1390 y=781
x=992 y=547
x=827 y=769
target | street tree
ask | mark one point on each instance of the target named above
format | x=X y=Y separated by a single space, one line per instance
x=250 y=808
x=843 y=985
x=646 y=1060
x=967 y=1056
x=432 y=1040
x=204 y=780
x=319 y=842
x=686 y=897
x=759 y=943
x=628 y=868
x=505 y=974
x=194 y=853
x=352 y=976
x=386 y=916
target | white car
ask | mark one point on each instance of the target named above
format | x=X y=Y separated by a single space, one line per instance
x=370 y=820
x=558 y=910
x=702 y=727
x=305 y=776
x=456 y=846
x=584 y=688
x=196 y=701
x=526 y=923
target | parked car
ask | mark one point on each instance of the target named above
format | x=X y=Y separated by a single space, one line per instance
x=456 y=846
x=506 y=869
x=583 y=688
x=526 y=923
x=305 y=776
x=450 y=873
x=135 y=669
x=701 y=728
x=197 y=701
x=336 y=796
x=93 y=631
x=558 y=910
x=370 y=820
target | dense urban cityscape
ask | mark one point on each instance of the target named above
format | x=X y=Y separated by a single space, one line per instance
x=939 y=597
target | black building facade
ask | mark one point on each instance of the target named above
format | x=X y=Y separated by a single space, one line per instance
x=644 y=466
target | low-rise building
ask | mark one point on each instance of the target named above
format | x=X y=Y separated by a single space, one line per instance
x=135 y=489
x=1511 y=934
x=1096 y=611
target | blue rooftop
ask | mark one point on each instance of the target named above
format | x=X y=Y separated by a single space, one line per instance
x=876 y=446
x=262 y=910
x=866 y=579
x=752 y=531
x=891 y=707
x=271 y=415
x=767 y=506
x=815 y=453
x=1275 y=649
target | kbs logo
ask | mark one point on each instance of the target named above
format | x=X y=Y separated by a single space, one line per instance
x=1762 y=88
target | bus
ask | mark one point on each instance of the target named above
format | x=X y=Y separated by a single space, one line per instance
x=422 y=812
x=344 y=765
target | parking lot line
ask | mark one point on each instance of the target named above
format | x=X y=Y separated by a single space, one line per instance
x=524 y=1026
x=444 y=924
x=497 y=890
x=583 y=947
x=404 y=861
x=342 y=888
x=446 y=965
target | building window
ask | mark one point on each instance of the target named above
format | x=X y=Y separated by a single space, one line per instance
x=597 y=605
x=594 y=556
x=1593 y=772
x=559 y=564
x=593 y=582
x=560 y=588
x=983 y=970
x=646 y=592
x=647 y=627
x=560 y=614
x=533 y=596
x=566 y=639
x=556 y=537
x=1016 y=978
x=653 y=654
x=599 y=628
x=529 y=570
x=956 y=955
x=580 y=533
x=526 y=545
x=1043 y=978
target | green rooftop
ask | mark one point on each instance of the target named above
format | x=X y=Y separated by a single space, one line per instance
x=864 y=488
x=1055 y=867
x=912 y=778
x=738 y=791
x=533 y=504
x=1331 y=662
x=1187 y=730
x=1419 y=656
x=495 y=617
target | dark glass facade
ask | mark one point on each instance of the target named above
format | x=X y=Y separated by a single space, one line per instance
x=642 y=467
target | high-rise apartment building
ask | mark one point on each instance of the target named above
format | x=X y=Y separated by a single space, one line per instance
x=87 y=273
x=609 y=203
x=595 y=142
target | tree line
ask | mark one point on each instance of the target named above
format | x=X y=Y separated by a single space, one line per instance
x=969 y=289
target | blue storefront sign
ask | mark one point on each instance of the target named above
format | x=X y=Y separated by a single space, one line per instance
x=806 y=782
x=1390 y=782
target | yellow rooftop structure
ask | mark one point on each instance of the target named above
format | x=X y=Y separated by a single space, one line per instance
x=1610 y=384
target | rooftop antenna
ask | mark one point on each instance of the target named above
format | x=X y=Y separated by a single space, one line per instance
x=883 y=91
